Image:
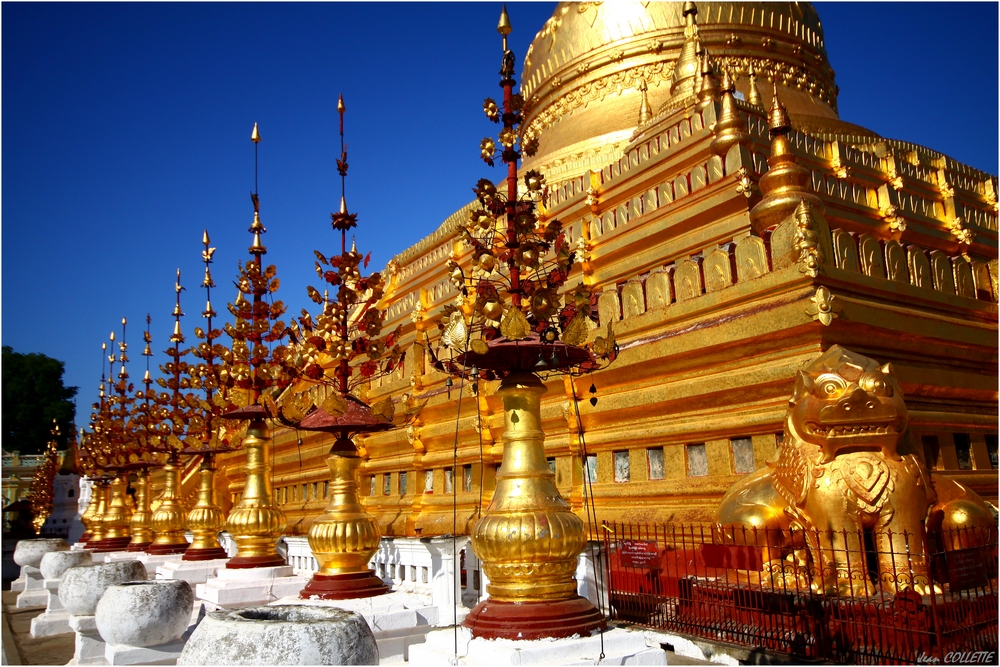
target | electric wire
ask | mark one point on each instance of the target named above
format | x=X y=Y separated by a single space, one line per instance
x=590 y=509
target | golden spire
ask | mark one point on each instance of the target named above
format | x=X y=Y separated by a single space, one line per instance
x=177 y=336
x=504 y=27
x=340 y=104
x=687 y=67
x=255 y=135
x=786 y=183
x=754 y=97
x=709 y=86
x=731 y=128
x=778 y=121
x=645 y=113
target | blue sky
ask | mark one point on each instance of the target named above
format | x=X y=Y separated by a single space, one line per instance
x=126 y=132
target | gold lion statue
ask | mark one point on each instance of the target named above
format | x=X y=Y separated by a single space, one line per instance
x=846 y=468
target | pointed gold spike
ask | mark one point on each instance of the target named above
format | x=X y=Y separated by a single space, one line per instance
x=124 y=322
x=754 y=96
x=777 y=120
x=343 y=204
x=204 y=238
x=340 y=104
x=645 y=112
x=504 y=27
x=255 y=135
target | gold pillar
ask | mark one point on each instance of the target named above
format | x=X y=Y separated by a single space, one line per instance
x=90 y=517
x=206 y=518
x=115 y=519
x=168 y=519
x=256 y=523
x=344 y=538
x=529 y=539
x=142 y=517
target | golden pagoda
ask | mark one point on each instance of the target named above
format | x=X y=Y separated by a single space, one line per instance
x=726 y=243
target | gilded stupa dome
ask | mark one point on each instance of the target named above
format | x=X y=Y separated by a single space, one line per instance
x=584 y=69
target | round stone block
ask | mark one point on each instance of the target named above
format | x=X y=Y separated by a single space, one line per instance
x=82 y=586
x=30 y=552
x=144 y=613
x=281 y=635
x=55 y=563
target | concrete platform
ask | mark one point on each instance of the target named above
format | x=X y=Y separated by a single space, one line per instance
x=620 y=646
x=191 y=571
x=249 y=587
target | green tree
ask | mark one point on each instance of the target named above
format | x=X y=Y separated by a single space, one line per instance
x=34 y=395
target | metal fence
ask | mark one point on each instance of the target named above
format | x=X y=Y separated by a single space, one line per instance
x=863 y=597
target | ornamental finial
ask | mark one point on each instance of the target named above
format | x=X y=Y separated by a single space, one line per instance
x=777 y=120
x=504 y=27
x=255 y=135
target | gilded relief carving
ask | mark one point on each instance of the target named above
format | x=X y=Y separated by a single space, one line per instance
x=870 y=255
x=633 y=302
x=920 y=268
x=751 y=258
x=895 y=262
x=608 y=307
x=658 y=289
x=942 y=271
x=964 y=285
x=718 y=270
x=846 y=251
x=783 y=247
x=687 y=279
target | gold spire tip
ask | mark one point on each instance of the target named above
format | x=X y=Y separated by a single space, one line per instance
x=727 y=82
x=503 y=27
x=204 y=238
x=255 y=135
x=124 y=322
x=778 y=118
x=340 y=104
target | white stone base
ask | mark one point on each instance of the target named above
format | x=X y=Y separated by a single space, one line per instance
x=163 y=654
x=621 y=647
x=149 y=561
x=34 y=598
x=246 y=587
x=33 y=594
x=50 y=623
x=398 y=619
x=55 y=620
x=89 y=645
x=191 y=571
x=18 y=584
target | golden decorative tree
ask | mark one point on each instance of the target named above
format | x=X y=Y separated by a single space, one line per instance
x=343 y=347
x=518 y=319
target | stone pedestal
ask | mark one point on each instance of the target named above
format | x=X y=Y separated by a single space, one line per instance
x=89 y=645
x=143 y=622
x=398 y=620
x=162 y=654
x=620 y=647
x=244 y=587
x=191 y=571
x=55 y=620
x=34 y=593
x=28 y=554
